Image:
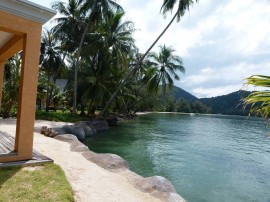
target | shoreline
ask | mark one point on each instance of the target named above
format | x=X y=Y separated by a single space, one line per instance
x=96 y=177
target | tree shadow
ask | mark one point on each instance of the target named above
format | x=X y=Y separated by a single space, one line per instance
x=7 y=172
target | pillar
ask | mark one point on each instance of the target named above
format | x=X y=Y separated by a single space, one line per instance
x=28 y=92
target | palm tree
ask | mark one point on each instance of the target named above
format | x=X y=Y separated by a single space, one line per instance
x=71 y=27
x=51 y=61
x=97 y=11
x=104 y=59
x=163 y=68
x=259 y=100
x=11 y=84
x=167 y=6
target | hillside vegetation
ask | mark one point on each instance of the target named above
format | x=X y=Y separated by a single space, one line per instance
x=230 y=104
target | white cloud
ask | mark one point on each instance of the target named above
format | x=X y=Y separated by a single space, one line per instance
x=221 y=42
x=203 y=92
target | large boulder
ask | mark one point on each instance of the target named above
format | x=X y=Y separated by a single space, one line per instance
x=75 y=130
x=100 y=125
x=107 y=161
x=112 y=121
x=60 y=131
x=157 y=183
x=87 y=126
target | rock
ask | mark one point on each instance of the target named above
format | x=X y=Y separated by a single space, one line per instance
x=76 y=130
x=100 y=125
x=87 y=126
x=173 y=197
x=155 y=184
x=43 y=129
x=60 y=131
x=108 y=161
x=159 y=183
x=66 y=137
x=49 y=132
x=112 y=121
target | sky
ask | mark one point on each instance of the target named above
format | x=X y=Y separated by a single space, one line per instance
x=221 y=42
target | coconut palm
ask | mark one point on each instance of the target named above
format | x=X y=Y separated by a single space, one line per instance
x=163 y=69
x=71 y=26
x=51 y=61
x=97 y=11
x=104 y=60
x=167 y=6
x=259 y=100
x=70 y=23
x=11 y=85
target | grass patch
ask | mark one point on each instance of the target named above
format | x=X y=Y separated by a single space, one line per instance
x=58 y=116
x=45 y=183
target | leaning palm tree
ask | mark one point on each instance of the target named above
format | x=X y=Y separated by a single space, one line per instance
x=259 y=100
x=167 y=6
x=163 y=68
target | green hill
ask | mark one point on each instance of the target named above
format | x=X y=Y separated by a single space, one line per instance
x=230 y=104
x=178 y=93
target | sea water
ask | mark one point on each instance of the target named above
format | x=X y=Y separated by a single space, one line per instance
x=208 y=158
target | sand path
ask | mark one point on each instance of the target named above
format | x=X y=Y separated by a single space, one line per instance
x=89 y=182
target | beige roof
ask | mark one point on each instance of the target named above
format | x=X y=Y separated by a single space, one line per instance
x=24 y=9
x=27 y=9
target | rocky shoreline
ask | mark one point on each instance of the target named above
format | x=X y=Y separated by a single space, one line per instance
x=156 y=186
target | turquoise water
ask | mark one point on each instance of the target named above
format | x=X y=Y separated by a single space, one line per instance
x=207 y=158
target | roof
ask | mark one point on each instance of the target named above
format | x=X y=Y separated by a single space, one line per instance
x=27 y=9
x=24 y=9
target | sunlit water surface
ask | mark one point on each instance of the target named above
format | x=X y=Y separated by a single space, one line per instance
x=207 y=158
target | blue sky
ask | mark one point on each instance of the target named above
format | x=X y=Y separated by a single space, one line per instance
x=221 y=42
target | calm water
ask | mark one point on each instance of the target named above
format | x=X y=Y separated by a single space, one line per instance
x=207 y=158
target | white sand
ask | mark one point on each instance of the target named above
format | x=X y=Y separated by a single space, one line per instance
x=89 y=182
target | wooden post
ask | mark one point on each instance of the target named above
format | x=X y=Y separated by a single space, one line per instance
x=28 y=92
x=2 y=64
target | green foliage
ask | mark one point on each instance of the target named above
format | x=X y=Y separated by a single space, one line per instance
x=65 y=116
x=230 y=104
x=182 y=7
x=12 y=73
x=46 y=183
x=259 y=101
x=182 y=105
x=163 y=69
x=178 y=93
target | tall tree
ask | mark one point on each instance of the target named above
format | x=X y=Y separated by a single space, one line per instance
x=11 y=85
x=105 y=59
x=51 y=61
x=72 y=27
x=165 y=66
x=167 y=6
x=96 y=11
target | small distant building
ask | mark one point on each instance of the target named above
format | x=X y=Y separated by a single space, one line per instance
x=61 y=84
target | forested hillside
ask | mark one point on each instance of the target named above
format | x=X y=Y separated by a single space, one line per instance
x=179 y=93
x=227 y=104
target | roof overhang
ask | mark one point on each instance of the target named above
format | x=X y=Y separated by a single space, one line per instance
x=27 y=9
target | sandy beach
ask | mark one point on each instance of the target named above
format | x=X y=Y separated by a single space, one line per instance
x=89 y=181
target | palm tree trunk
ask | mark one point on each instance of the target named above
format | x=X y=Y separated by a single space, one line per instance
x=55 y=76
x=108 y=104
x=74 y=107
